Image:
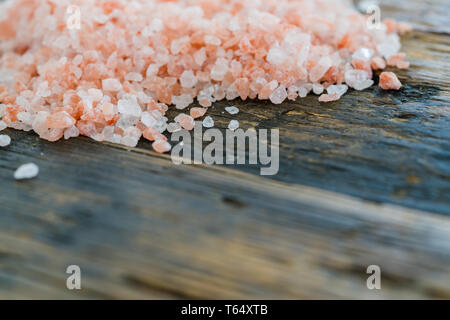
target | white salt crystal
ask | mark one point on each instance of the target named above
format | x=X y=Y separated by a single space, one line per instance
x=147 y=119
x=302 y=92
x=71 y=132
x=182 y=101
x=276 y=56
x=95 y=94
x=111 y=84
x=278 y=95
x=219 y=70
x=232 y=110
x=363 y=54
x=129 y=106
x=200 y=56
x=188 y=79
x=390 y=46
x=208 y=122
x=233 y=125
x=358 y=79
x=317 y=88
x=26 y=171
x=340 y=89
x=134 y=76
x=5 y=140
x=212 y=40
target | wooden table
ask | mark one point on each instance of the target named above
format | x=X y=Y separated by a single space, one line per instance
x=362 y=181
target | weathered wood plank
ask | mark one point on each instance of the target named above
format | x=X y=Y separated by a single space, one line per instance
x=201 y=232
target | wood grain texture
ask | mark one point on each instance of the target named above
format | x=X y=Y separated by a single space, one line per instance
x=141 y=227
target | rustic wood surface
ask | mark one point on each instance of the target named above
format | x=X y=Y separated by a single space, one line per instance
x=365 y=180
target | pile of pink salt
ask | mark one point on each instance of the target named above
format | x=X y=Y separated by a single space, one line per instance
x=115 y=77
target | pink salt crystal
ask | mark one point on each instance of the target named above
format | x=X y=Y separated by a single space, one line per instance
x=152 y=134
x=319 y=70
x=111 y=85
x=116 y=79
x=197 y=112
x=378 y=63
x=328 y=97
x=185 y=121
x=161 y=146
x=389 y=81
x=60 y=120
x=396 y=60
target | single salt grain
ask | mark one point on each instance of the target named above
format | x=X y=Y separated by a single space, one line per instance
x=182 y=101
x=278 y=95
x=111 y=85
x=208 y=122
x=232 y=110
x=389 y=81
x=188 y=79
x=185 y=121
x=233 y=125
x=161 y=146
x=358 y=79
x=5 y=140
x=134 y=76
x=26 y=171
x=197 y=112
x=317 y=88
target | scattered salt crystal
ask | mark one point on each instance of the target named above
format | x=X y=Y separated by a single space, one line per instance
x=389 y=81
x=5 y=140
x=233 y=125
x=208 y=122
x=232 y=110
x=26 y=171
x=161 y=146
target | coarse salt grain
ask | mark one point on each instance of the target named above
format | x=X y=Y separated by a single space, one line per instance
x=208 y=122
x=26 y=171
x=233 y=125
x=5 y=140
x=232 y=110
